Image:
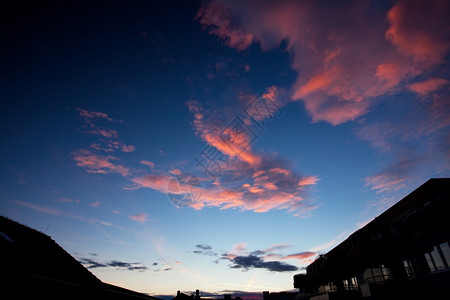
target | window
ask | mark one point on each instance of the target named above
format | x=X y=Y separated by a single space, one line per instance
x=354 y=283
x=328 y=288
x=445 y=248
x=378 y=274
x=438 y=258
x=409 y=269
x=351 y=284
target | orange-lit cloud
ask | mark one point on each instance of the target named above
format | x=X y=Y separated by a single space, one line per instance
x=237 y=144
x=428 y=86
x=420 y=29
x=302 y=256
x=249 y=180
x=346 y=54
x=102 y=164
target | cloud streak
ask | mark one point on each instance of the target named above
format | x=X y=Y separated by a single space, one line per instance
x=116 y=264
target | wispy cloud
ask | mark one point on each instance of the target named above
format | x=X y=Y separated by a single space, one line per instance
x=68 y=200
x=99 y=164
x=57 y=212
x=94 y=114
x=99 y=158
x=95 y=204
x=38 y=208
x=116 y=264
x=147 y=163
x=140 y=218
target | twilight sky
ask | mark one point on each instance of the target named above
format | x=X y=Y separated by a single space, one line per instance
x=218 y=145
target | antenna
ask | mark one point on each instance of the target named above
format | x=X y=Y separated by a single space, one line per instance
x=46 y=229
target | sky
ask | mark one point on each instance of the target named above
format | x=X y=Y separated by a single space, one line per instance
x=217 y=145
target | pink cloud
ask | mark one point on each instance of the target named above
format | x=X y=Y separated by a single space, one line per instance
x=308 y=180
x=212 y=132
x=385 y=183
x=420 y=30
x=95 y=204
x=175 y=172
x=428 y=86
x=249 y=181
x=140 y=218
x=218 y=20
x=302 y=256
x=93 y=114
x=155 y=181
x=147 y=163
x=100 y=164
x=128 y=148
x=346 y=56
x=277 y=247
x=239 y=247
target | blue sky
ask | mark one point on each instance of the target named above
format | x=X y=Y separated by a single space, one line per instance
x=217 y=145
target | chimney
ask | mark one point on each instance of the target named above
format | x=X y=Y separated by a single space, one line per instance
x=178 y=293
x=197 y=294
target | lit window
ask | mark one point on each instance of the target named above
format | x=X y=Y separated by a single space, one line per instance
x=408 y=269
x=354 y=283
x=439 y=258
x=351 y=284
x=346 y=285
x=378 y=274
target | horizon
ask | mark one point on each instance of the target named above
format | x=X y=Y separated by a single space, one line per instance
x=217 y=145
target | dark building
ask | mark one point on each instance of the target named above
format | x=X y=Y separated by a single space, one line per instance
x=33 y=266
x=402 y=254
x=279 y=296
x=182 y=296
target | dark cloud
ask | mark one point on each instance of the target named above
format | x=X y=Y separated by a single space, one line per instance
x=253 y=261
x=203 y=246
x=204 y=249
x=92 y=264
x=163 y=270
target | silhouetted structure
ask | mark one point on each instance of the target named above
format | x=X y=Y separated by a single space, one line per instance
x=33 y=266
x=182 y=296
x=279 y=296
x=402 y=254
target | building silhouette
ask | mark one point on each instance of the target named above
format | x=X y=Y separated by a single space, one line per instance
x=196 y=296
x=33 y=266
x=402 y=254
x=279 y=295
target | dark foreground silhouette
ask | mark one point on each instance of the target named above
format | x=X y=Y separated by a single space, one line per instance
x=404 y=253
x=33 y=266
